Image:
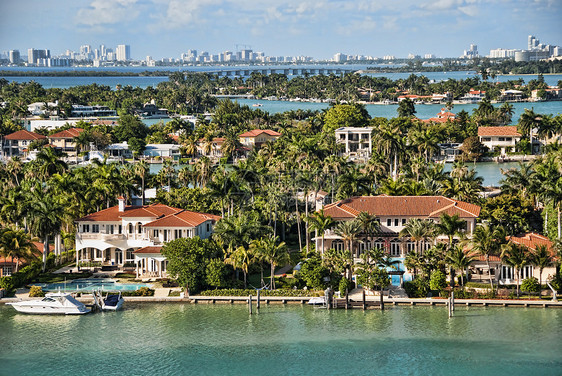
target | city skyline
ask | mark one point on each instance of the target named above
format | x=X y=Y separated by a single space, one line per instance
x=318 y=29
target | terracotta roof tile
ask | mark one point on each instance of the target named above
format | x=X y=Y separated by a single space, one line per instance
x=499 y=131
x=257 y=132
x=24 y=135
x=68 y=133
x=532 y=240
x=406 y=206
x=184 y=218
x=148 y=250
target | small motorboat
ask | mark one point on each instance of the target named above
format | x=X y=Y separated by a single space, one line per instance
x=56 y=303
x=112 y=302
x=318 y=300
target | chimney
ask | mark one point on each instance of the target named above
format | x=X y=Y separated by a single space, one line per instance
x=121 y=200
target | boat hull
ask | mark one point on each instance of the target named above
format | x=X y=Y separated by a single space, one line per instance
x=35 y=310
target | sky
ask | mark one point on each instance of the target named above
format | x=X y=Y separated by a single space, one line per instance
x=316 y=28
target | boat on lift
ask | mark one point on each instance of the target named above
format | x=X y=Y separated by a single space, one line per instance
x=112 y=302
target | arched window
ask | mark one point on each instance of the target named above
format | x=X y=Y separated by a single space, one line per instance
x=130 y=228
x=139 y=228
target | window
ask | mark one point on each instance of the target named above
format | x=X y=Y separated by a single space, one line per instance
x=130 y=228
x=484 y=139
x=165 y=235
x=177 y=234
x=502 y=139
x=95 y=228
x=139 y=228
x=395 y=248
x=7 y=271
x=98 y=253
x=120 y=229
x=155 y=233
x=85 y=228
x=389 y=222
x=110 y=229
x=403 y=221
x=208 y=227
x=129 y=254
x=508 y=138
x=396 y=221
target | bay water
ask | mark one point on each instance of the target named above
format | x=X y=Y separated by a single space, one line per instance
x=186 y=339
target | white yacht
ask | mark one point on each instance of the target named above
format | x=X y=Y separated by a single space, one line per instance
x=57 y=303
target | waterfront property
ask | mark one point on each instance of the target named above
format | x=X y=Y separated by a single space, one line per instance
x=133 y=235
x=394 y=213
x=505 y=274
x=258 y=137
x=505 y=138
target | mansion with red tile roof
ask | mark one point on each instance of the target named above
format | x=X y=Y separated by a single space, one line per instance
x=17 y=143
x=393 y=213
x=258 y=137
x=504 y=137
x=135 y=234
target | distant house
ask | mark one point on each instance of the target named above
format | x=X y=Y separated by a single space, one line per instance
x=257 y=137
x=91 y=111
x=9 y=265
x=162 y=150
x=64 y=140
x=150 y=110
x=38 y=108
x=441 y=117
x=473 y=96
x=17 y=144
x=357 y=142
x=210 y=149
x=505 y=137
x=511 y=95
x=119 y=150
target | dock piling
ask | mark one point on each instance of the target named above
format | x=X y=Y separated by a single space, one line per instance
x=258 y=300
x=250 y=303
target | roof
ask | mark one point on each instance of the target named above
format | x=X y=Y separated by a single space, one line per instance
x=24 y=135
x=113 y=214
x=184 y=218
x=531 y=240
x=257 y=132
x=401 y=206
x=510 y=130
x=69 y=133
x=148 y=250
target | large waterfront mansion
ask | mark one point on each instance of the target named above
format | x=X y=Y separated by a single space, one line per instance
x=133 y=235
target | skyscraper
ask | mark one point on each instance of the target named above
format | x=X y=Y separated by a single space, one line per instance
x=123 y=52
x=33 y=55
x=14 y=56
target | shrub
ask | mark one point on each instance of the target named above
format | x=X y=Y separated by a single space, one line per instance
x=418 y=288
x=143 y=291
x=530 y=285
x=36 y=291
x=438 y=280
x=7 y=283
x=345 y=286
x=478 y=285
x=246 y=292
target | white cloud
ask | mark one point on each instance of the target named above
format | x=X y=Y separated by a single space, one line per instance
x=107 y=12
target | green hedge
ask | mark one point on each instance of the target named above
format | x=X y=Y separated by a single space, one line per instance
x=143 y=291
x=477 y=285
x=246 y=292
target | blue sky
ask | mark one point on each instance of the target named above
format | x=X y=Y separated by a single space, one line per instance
x=317 y=28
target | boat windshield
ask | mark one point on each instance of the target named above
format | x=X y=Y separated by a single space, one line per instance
x=48 y=300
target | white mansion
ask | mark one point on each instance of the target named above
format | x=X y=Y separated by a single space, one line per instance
x=135 y=234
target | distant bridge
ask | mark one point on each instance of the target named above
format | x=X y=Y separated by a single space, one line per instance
x=247 y=71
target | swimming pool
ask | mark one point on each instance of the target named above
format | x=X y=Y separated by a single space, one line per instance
x=91 y=284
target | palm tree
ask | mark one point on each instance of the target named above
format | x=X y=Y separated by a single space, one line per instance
x=515 y=255
x=320 y=222
x=418 y=230
x=273 y=253
x=552 y=193
x=487 y=241
x=50 y=163
x=45 y=221
x=451 y=226
x=458 y=259
x=241 y=258
x=541 y=258
x=348 y=231
x=17 y=243
x=370 y=224
x=141 y=169
x=528 y=121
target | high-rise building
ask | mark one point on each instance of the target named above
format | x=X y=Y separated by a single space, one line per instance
x=123 y=52
x=33 y=55
x=14 y=56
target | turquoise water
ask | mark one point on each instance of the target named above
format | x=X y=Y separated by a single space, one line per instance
x=91 y=284
x=491 y=172
x=183 y=339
